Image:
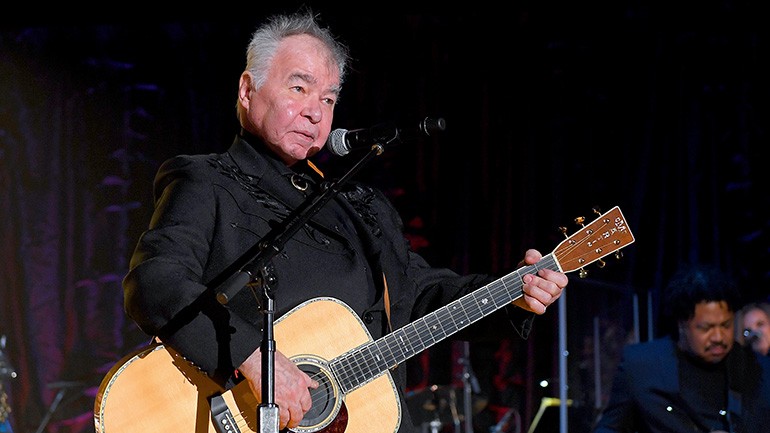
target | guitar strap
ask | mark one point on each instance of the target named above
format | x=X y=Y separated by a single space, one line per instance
x=386 y=300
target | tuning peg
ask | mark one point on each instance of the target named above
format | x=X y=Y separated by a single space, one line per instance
x=597 y=210
x=601 y=263
x=618 y=254
x=580 y=221
x=563 y=231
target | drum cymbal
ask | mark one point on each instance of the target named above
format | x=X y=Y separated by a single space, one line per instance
x=443 y=402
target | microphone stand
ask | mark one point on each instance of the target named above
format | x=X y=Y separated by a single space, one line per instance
x=252 y=269
x=470 y=386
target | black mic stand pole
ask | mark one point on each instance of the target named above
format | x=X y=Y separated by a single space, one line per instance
x=268 y=419
x=252 y=269
x=470 y=386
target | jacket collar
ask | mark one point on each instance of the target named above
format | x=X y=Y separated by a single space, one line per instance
x=253 y=157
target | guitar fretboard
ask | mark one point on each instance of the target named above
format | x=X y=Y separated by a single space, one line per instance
x=365 y=363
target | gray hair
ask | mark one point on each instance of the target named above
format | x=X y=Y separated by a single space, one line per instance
x=266 y=39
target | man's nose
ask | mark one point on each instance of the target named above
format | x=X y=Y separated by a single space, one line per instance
x=313 y=111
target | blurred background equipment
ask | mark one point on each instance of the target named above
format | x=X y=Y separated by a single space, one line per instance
x=6 y=372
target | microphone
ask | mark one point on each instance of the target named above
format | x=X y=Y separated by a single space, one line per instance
x=341 y=141
x=751 y=335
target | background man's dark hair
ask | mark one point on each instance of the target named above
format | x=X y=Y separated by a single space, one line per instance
x=692 y=284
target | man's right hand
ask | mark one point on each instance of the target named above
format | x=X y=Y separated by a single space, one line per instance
x=292 y=387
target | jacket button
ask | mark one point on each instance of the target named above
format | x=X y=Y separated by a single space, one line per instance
x=368 y=318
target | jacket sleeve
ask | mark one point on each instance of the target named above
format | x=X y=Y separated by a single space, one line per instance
x=165 y=290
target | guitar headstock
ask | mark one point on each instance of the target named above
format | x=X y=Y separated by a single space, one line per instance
x=603 y=236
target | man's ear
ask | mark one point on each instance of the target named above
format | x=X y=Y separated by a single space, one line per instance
x=244 y=89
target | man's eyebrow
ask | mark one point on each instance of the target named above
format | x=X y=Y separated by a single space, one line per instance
x=302 y=77
x=310 y=79
x=335 y=90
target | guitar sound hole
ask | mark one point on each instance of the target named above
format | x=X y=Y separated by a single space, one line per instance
x=326 y=400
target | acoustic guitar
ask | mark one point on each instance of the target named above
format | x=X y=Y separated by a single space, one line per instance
x=155 y=390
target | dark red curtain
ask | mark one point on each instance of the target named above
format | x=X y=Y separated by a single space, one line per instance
x=549 y=111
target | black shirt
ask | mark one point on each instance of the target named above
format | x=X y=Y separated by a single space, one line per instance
x=704 y=385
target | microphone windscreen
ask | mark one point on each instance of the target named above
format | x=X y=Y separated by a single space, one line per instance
x=336 y=142
x=429 y=125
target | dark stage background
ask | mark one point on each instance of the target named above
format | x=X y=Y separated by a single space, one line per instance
x=550 y=110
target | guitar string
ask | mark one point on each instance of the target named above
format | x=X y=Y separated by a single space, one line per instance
x=242 y=423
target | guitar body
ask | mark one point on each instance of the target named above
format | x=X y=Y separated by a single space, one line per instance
x=154 y=390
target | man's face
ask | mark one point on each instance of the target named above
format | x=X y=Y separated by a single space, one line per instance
x=756 y=320
x=293 y=110
x=709 y=334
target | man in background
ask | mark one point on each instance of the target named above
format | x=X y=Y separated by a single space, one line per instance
x=695 y=378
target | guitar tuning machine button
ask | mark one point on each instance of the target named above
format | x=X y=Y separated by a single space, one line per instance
x=563 y=231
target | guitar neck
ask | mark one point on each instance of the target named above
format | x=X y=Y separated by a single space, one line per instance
x=606 y=234
x=366 y=362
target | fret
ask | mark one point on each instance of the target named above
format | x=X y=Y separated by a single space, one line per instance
x=485 y=301
x=417 y=344
x=435 y=328
x=394 y=347
x=424 y=332
x=447 y=322
x=401 y=338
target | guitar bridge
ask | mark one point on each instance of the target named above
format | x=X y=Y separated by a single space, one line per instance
x=222 y=418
